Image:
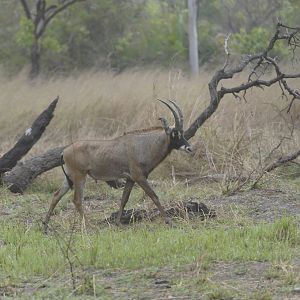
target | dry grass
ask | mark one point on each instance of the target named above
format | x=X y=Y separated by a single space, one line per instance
x=97 y=105
x=100 y=105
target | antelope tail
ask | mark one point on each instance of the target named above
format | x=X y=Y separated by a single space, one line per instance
x=70 y=182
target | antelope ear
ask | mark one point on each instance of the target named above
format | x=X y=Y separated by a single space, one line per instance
x=165 y=125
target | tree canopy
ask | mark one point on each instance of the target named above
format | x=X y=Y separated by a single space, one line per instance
x=121 y=34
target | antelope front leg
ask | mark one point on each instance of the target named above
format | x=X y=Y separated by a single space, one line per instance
x=126 y=193
x=143 y=183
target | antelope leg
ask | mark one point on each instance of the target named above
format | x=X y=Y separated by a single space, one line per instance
x=126 y=193
x=56 y=198
x=143 y=183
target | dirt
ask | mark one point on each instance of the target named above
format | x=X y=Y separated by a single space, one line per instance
x=258 y=205
x=251 y=280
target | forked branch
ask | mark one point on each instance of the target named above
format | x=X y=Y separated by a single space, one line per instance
x=263 y=60
x=43 y=14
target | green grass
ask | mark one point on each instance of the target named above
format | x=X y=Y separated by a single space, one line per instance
x=29 y=252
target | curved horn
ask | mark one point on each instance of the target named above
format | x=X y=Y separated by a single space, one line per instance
x=179 y=113
x=177 y=121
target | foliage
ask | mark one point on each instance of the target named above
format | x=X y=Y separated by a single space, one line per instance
x=255 y=41
x=159 y=38
x=209 y=43
x=24 y=36
x=120 y=34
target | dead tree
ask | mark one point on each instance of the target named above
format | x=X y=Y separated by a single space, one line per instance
x=28 y=139
x=259 y=65
x=263 y=71
x=41 y=16
x=25 y=172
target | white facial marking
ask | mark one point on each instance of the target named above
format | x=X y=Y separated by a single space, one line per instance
x=185 y=148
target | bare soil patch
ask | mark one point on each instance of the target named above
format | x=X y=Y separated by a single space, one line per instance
x=259 y=205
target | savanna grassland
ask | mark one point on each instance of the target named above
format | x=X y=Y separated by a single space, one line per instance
x=251 y=250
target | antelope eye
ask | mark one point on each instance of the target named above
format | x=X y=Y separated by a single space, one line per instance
x=175 y=134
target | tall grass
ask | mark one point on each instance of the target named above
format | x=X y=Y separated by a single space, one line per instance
x=102 y=105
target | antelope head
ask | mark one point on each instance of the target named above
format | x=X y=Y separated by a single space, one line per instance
x=176 y=133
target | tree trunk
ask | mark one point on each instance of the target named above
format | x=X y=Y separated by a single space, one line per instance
x=29 y=138
x=193 y=38
x=25 y=172
x=35 y=59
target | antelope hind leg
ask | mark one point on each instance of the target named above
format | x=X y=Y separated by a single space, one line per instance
x=79 y=182
x=56 y=198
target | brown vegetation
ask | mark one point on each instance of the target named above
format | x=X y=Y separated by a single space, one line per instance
x=100 y=105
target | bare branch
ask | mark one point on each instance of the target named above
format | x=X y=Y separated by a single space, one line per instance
x=226 y=51
x=26 y=9
x=57 y=9
x=45 y=14
x=282 y=160
x=261 y=63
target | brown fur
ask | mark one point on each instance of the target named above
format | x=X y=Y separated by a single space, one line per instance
x=131 y=156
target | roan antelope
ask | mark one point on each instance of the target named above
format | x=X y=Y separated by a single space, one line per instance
x=131 y=156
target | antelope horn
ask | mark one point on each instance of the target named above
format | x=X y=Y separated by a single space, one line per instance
x=177 y=121
x=179 y=113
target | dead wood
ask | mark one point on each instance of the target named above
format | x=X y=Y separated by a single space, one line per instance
x=281 y=161
x=25 y=172
x=28 y=139
x=264 y=71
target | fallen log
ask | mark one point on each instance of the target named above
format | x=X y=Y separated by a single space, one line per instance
x=25 y=172
x=28 y=139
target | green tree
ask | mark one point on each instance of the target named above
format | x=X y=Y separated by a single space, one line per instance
x=33 y=26
x=159 y=37
x=118 y=34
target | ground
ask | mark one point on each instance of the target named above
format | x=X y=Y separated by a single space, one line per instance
x=217 y=266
